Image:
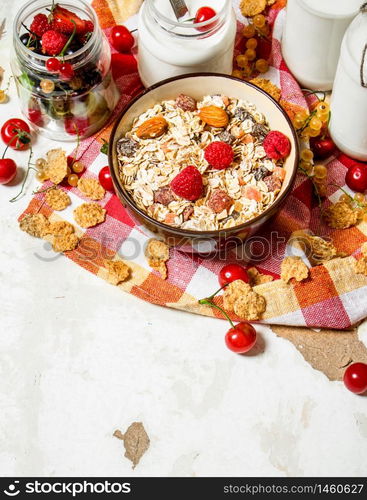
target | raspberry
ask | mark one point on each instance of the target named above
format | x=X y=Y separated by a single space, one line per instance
x=277 y=145
x=53 y=42
x=219 y=155
x=188 y=184
x=39 y=25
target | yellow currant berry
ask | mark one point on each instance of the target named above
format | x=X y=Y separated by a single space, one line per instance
x=78 y=167
x=250 y=54
x=311 y=132
x=41 y=176
x=241 y=60
x=73 y=180
x=323 y=107
x=251 y=43
x=345 y=199
x=259 y=21
x=306 y=166
x=315 y=123
x=320 y=171
x=359 y=198
x=40 y=163
x=3 y=96
x=249 y=31
x=262 y=65
x=306 y=155
x=237 y=73
x=47 y=86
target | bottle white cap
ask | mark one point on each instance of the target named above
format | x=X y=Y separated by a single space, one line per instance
x=332 y=8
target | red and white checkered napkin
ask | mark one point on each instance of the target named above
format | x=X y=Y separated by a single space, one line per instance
x=333 y=297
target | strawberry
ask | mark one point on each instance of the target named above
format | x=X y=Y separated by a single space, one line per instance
x=64 y=21
x=39 y=25
x=53 y=42
x=188 y=183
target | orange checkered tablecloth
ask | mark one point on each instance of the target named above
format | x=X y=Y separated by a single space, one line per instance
x=332 y=297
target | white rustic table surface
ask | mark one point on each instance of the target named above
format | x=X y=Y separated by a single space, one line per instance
x=80 y=359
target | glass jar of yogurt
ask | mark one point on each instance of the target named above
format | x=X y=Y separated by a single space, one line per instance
x=168 y=47
x=78 y=101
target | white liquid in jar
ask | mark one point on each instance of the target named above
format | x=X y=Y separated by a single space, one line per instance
x=182 y=50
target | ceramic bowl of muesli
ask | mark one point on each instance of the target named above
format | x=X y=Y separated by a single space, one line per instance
x=203 y=160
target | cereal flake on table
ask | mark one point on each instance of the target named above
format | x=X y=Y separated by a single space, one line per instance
x=57 y=199
x=91 y=188
x=89 y=215
x=61 y=235
x=294 y=267
x=250 y=8
x=175 y=135
x=157 y=254
x=257 y=278
x=117 y=271
x=240 y=298
x=341 y=215
x=56 y=165
x=34 y=224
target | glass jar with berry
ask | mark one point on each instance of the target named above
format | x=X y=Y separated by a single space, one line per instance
x=62 y=68
x=199 y=38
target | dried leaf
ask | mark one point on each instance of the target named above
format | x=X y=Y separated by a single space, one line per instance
x=329 y=351
x=136 y=442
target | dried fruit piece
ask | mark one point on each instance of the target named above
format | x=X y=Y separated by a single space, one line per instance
x=257 y=278
x=157 y=254
x=294 y=267
x=214 y=116
x=273 y=183
x=136 y=442
x=163 y=195
x=341 y=215
x=56 y=165
x=57 y=199
x=152 y=128
x=117 y=271
x=34 y=224
x=89 y=214
x=91 y=188
x=186 y=103
x=250 y=8
x=187 y=213
x=219 y=200
x=126 y=147
x=268 y=86
x=250 y=306
x=233 y=292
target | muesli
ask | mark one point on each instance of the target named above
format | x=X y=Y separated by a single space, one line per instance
x=203 y=166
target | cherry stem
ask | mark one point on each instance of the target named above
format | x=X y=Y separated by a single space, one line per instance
x=208 y=302
x=69 y=41
x=29 y=168
x=216 y=293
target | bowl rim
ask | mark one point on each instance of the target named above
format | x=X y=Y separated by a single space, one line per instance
x=190 y=232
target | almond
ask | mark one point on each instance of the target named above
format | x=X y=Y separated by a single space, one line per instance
x=214 y=116
x=152 y=128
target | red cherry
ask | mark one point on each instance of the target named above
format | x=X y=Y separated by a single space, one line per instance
x=121 y=38
x=123 y=64
x=8 y=170
x=66 y=71
x=356 y=177
x=16 y=134
x=241 y=338
x=202 y=15
x=232 y=272
x=53 y=65
x=322 y=147
x=105 y=179
x=355 y=378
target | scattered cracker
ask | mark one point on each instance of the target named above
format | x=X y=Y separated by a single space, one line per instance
x=117 y=271
x=57 y=199
x=91 y=188
x=157 y=254
x=61 y=235
x=341 y=215
x=60 y=227
x=294 y=267
x=250 y=306
x=268 y=86
x=360 y=266
x=234 y=291
x=57 y=166
x=89 y=214
x=251 y=8
x=257 y=278
x=34 y=224
x=364 y=249
x=317 y=249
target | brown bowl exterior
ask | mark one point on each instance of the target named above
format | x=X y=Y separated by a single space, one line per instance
x=197 y=86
